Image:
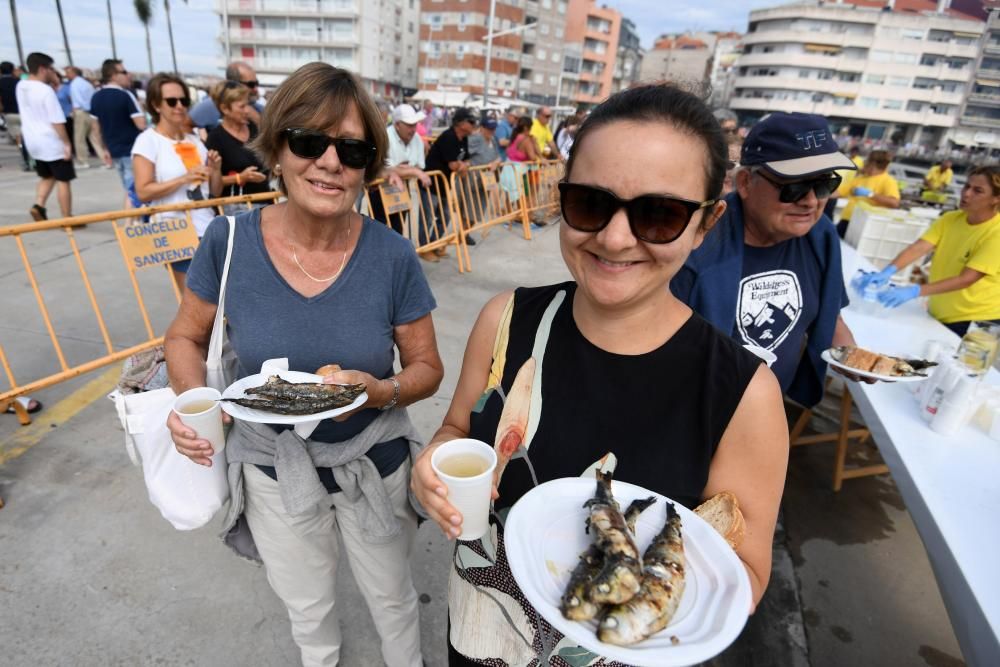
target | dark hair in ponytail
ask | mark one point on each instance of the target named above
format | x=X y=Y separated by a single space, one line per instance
x=663 y=103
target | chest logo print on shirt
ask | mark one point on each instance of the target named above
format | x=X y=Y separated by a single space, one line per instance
x=769 y=305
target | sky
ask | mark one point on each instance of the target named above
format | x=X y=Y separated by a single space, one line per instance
x=196 y=28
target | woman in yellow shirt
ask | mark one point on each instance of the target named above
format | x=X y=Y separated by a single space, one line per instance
x=872 y=184
x=964 y=281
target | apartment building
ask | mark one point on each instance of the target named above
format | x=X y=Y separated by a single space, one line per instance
x=543 y=51
x=628 y=65
x=979 y=125
x=453 y=46
x=721 y=69
x=375 y=39
x=680 y=58
x=597 y=30
x=896 y=72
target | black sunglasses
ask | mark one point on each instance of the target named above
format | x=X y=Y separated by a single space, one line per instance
x=173 y=101
x=652 y=218
x=789 y=193
x=311 y=144
x=122 y=71
x=252 y=83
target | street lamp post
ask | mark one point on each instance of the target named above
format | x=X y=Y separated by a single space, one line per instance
x=489 y=48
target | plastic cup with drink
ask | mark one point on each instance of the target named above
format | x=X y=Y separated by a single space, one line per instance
x=466 y=468
x=201 y=410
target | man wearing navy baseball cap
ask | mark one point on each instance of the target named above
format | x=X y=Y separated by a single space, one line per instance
x=769 y=273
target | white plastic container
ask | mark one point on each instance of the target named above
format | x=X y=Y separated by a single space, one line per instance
x=956 y=408
x=200 y=409
x=469 y=494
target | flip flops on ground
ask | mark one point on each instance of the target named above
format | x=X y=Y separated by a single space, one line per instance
x=30 y=404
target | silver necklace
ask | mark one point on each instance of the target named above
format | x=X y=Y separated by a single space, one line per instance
x=310 y=276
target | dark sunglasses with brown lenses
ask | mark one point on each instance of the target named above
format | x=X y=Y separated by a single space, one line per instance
x=174 y=101
x=789 y=193
x=311 y=144
x=652 y=218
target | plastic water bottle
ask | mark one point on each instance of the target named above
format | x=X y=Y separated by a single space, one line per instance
x=870 y=299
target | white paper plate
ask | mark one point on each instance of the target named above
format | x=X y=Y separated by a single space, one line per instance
x=544 y=535
x=828 y=358
x=236 y=390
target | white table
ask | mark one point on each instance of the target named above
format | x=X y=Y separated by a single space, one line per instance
x=950 y=484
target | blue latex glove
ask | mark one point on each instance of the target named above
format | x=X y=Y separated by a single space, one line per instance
x=897 y=296
x=876 y=278
x=861 y=192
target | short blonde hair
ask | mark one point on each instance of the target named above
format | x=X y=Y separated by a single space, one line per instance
x=318 y=96
x=228 y=93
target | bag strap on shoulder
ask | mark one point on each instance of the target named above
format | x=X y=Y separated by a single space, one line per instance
x=218 y=328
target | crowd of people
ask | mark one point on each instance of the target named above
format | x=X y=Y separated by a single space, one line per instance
x=695 y=253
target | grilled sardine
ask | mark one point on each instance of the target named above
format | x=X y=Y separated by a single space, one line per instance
x=651 y=609
x=619 y=577
x=575 y=604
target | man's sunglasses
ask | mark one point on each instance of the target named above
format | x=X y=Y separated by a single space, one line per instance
x=122 y=71
x=252 y=83
x=174 y=101
x=652 y=218
x=789 y=193
x=311 y=144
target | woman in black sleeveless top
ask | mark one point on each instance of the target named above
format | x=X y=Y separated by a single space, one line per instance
x=612 y=363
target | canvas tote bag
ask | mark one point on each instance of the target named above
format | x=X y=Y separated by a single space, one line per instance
x=187 y=494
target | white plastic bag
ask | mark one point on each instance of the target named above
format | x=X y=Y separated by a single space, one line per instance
x=187 y=494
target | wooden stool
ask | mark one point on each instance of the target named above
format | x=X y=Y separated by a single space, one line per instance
x=843 y=434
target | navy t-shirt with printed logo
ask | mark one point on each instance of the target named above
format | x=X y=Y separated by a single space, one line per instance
x=778 y=301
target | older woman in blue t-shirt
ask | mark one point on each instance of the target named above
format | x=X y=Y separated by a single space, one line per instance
x=314 y=281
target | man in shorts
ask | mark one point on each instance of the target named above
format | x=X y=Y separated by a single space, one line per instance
x=43 y=128
x=120 y=119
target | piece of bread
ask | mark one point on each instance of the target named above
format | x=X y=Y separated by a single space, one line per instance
x=328 y=369
x=884 y=366
x=860 y=358
x=722 y=512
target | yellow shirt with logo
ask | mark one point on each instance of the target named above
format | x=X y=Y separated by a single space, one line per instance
x=879 y=184
x=542 y=135
x=957 y=245
x=937 y=179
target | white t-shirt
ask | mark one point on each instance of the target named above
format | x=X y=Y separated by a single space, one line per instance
x=159 y=150
x=39 y=108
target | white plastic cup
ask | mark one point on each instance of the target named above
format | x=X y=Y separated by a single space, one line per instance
x=767 y=356
x=200 y=409
x=470 y=495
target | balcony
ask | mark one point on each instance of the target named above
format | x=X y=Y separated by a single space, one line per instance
x=829 y=109
x=797 y=83
x=985 y=98
x=804 y=60
x=841 y=39
x=282 y=8
x=257 y=36
x=950 y=49
x=980 y=121
x=992 y=48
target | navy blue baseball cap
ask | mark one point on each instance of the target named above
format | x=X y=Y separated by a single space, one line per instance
x=793 y=145
x=490 y=124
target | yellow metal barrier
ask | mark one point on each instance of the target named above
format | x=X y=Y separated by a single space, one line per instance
x=66 y=369
x=486 y=196
x=541 y=184
x=425 y=215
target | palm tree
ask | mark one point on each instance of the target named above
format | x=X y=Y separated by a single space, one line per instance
x=170 y=33
x=62 y=24
x=17 y=32
x=111 y=27
x=145 y=13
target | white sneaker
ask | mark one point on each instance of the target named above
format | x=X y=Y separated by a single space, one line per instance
x=83 y=165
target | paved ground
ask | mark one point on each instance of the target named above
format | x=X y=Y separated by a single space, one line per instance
x=91 y=575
